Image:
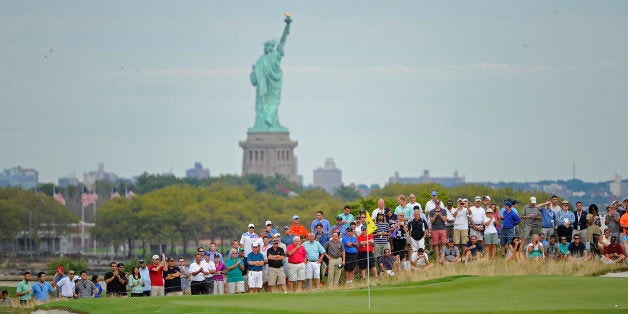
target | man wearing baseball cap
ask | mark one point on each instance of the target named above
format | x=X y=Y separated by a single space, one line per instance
x=296 y=228
x=248 y=238
x=156 y=269
x=565 y=219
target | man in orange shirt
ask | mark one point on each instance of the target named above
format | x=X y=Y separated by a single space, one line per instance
x=297 y=229
x=623 y=225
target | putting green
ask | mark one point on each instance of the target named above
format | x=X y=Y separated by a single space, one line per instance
x=450 y=294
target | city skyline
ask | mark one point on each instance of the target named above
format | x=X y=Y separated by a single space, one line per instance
x=500 y=91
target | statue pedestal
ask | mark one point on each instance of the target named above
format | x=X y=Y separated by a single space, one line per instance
x=269 y=154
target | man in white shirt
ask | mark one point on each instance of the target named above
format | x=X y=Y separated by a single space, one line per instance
x=248 y=238
x=413 y=203
x=431 y=204
x=67 y=286
x=197 y=275
x=461 y=224
x=380 y=209
x=477 y=216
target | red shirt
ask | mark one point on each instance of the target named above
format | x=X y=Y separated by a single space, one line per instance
x=363 y=237
x=614 y=248
x=156 y=275
x=299 y=255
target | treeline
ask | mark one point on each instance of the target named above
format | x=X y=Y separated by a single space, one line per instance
x=30 y=214
x=180 y=214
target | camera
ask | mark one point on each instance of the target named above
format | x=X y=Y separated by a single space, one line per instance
x=339 y=265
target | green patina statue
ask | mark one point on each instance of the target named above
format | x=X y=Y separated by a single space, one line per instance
x=266 y=76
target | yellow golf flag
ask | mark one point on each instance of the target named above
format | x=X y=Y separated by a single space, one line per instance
x=370 y=224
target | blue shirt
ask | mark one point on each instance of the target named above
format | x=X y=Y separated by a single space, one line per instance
x=252 y=257
x=211 y=256
x=267 y=234
x=99 y=290
x=561 y=215
x=313 y=250
x=510 y=219
x=503 y=210
x=42 y=291
x=350 y=249
x=340 y=229
x=546 y=217
x=407 y=211
x=324 y=222
x=348 y=218
x=322 y=238
x=145 y=274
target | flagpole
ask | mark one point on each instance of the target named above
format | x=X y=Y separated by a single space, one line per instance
x=368 y=270
x=92 y=234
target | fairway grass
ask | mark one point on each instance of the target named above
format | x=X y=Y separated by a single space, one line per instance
x=450 y=294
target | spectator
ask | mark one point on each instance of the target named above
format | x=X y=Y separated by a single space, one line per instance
x=136 y=283
x=420 y=259
x=213 y=251
x=438 y=218
x=334 y=251
x=350 y=243
x=381 y=206
x=346 y=216
x=275 y=256
x=594 y=231
x=612 y=221
x=234 y=267
x=315 y=253
x=491 y=237
x=577 y=249
x=96 y=281
x=552 y=252
x=269 y=231
x=24 y=290
x=256 y=263
x=185 y=277
x=365 y=254
x=531 y=220
x=431 y=204
x=473 y=250
x=157 y=276
x=614 y=253
x=623 y=222
x=563 y=246
x=418 y=228
x=145 y=274
x=116 y=281
x=286 y=239
x=338 y=227
x=449 y=225
x=296 y=261
x=388 y=263
x=67 y=286
x=85 y=288
x=172 y=278
x=381 y=235
x=565 y=220
x=296 y=228
x=548 y=220
x=219 y=280
x=580 y=224
x=42 y=289
x=248 y=238
x=476 y=219
x=319 y=235
x=535 y=248
x=461 y=224
x=58 y=276
x=197 y=276
x=398 y=236
x=209 y=269
x=510 y=219
x=403 y=208
x=450 y=255
x=5 y=300
x=604 y=241
x=515 y=250
x=320 y=219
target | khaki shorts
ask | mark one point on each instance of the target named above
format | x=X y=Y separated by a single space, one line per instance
x=296 y=272
x=236 y=287
x=461 y=236
x=157 y=291
x=276 y=276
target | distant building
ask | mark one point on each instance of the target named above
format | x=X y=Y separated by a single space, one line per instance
x=90 y=178
x=615 y=186
x=19 y=177
x=68 y=180
x=329 y=177
x=426 y=178
x=197 y=172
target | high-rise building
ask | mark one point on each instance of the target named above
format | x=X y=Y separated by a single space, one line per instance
x=68 y=180
x=19 y=177
x=197 y=172
x=329 y=177
x=90 y=178
x=615 y=186
x=426 y=178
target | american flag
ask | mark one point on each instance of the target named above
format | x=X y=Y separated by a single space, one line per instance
x=58 y=197
x=114 y=193
x=128 y=193
x=94 y=197
x=85 y=198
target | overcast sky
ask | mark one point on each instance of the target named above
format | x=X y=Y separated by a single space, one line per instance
x=498 y=90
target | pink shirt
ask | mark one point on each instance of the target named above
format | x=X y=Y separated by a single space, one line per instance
x=299 y=255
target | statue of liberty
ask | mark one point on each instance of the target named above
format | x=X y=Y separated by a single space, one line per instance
x=266 y=76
